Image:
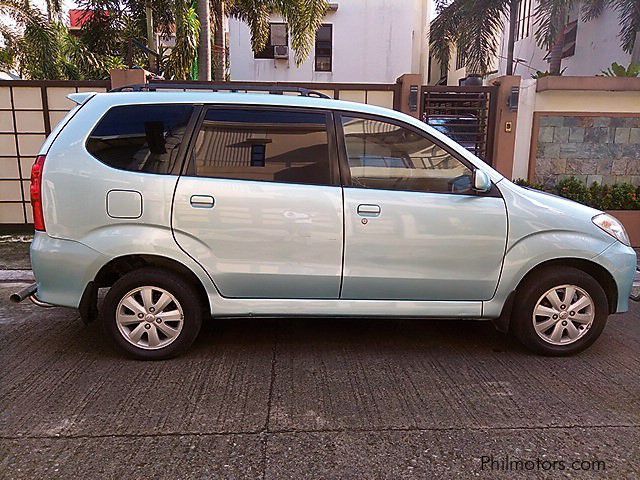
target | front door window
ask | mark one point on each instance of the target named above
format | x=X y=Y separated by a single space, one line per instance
x=387 y=156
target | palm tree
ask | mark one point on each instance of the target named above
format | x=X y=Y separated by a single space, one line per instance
x=40 y=47
x=204 y=43
x=475 y=26
x=183 y=55
x=119 y=28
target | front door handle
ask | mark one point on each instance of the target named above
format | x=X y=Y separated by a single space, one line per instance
x=368 y=210
x=202 y=201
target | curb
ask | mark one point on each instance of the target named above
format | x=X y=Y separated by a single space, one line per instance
x=16 y=276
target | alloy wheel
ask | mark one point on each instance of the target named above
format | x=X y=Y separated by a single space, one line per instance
x=149 y=317
x=563 y=314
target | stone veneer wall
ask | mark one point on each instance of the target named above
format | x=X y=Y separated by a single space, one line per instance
x=603 y=149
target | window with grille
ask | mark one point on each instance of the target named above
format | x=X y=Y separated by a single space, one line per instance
x=523 y=23
x=324 y=48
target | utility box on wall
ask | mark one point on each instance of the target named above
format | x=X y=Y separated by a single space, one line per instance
x=409 y=101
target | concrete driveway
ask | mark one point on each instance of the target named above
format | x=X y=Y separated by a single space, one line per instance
x=324 y=398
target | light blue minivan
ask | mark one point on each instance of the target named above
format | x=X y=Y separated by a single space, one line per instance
x=189 y=205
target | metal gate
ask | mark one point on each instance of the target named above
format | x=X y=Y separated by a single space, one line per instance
x=466 y=114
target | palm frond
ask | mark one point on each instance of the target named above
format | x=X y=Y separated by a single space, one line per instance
x=592 y=9
x=304 y=18
x=480 y=37
x=629 y=14
x=474 y=27
x=255 y=14
x=444 y=32
x=549 y=20
x=185 y=51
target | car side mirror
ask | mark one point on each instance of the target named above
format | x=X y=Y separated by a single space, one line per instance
x=481 y=181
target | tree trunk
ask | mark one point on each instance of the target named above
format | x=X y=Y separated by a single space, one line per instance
x=219 y=47
x=514 y=6
x=635 y=54
x=151 y=37
x=204 y=43
x=555 y=56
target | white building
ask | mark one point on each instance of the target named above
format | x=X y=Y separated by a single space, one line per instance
x=368 y=41
x=589 y=48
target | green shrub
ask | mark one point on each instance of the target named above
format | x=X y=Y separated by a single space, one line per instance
x=526 y=183
x=617 y=70
x=573 y=189
x=621 y=196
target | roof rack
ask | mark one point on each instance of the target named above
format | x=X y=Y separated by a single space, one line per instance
x=216 y=87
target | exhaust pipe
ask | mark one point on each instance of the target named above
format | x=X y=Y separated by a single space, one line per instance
x=24 y=293
x=30 y=293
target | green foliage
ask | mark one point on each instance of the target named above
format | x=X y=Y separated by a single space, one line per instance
x=526 y=183
x=471 y=25
x=620 y=196
x=180 y=61
x=617 y=70
x=546 y=73
x=476 y=25
x=43 y=48
x=573 y=189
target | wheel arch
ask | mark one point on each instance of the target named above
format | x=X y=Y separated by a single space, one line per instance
x=597 y=271
x=116 y=267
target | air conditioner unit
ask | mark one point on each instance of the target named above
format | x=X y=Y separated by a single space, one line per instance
x=280 y=51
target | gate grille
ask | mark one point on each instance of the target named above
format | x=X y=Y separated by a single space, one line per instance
x=465 y=114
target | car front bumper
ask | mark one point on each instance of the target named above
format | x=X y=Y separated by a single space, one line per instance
x=621 y=262
x=635 y=288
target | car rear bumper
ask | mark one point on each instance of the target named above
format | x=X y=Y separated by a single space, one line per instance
x=62 y=269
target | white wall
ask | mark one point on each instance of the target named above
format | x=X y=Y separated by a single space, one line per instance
x=374 y=41
x=597 y=47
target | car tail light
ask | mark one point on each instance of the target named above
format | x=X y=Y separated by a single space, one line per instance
x=36 y=193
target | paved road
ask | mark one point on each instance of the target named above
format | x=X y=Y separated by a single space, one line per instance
x=302 y=399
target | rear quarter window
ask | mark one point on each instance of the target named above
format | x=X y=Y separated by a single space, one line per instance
x=140 y=138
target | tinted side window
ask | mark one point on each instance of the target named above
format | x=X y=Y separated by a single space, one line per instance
x=141 y=138
x=267 y=145
x=389 y=157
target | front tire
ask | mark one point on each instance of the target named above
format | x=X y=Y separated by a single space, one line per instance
x=152 y=314
x=559 y=311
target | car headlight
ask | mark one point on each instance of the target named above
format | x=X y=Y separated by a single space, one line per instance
x=612 y=226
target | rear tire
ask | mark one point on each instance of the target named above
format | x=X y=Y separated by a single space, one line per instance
x=547 y=322
x=152 y=314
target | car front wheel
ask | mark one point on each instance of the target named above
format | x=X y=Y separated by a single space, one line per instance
x=559 y=311
x=152 y=314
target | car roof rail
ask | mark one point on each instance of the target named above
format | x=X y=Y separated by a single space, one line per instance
x=216 y=87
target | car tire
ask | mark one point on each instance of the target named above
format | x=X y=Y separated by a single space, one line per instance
x=559 y=327
x=152 y=314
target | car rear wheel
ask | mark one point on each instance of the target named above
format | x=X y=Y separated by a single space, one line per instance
x=559 y=311
x=152 y=314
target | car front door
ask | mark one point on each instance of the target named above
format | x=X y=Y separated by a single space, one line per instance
x=260 y=206
x=414 y=230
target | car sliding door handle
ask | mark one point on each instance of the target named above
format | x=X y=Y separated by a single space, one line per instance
x=201 y=201
x=368 y=210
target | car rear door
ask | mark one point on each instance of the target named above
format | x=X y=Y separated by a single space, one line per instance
x=413 y=228
x=259 y=204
